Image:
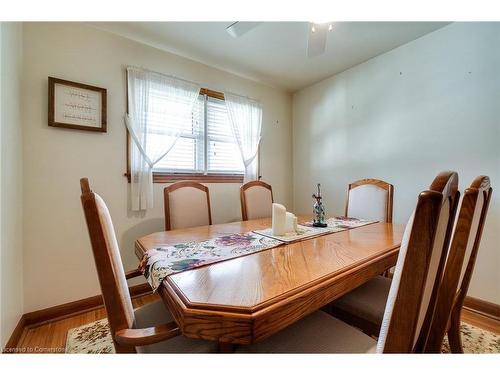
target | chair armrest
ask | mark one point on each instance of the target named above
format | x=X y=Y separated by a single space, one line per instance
x=132 y=274
x=147 y=336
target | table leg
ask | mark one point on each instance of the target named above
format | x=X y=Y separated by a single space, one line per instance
x=226 y=347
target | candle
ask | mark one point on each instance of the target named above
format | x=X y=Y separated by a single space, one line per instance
x=291 y=223
x=279 y=219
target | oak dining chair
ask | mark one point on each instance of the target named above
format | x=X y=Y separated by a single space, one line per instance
x=411 y=299
x=187 y=204
x=364 y=306
x=149 y=329
x=256 y=200
x=459 y=266
x=370 y=199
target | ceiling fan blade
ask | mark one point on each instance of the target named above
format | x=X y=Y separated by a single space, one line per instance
x=316 y=42
x=239 y=28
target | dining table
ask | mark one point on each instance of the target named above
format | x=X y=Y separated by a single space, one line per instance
x=246 y=299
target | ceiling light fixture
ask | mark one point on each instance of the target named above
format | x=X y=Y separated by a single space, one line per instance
x=320 y=24
x=316 y=43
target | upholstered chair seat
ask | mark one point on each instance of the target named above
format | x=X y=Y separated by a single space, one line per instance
x=316 y=333
x=149 y=329
x=187 y=204
x=256 y=200
x=460 y=266
x=366 y=302
x=155 y=313
x=365 y=305
x=410 y=302
x=370 y=199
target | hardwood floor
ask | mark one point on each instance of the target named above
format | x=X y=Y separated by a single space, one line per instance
x=51 y=337
x=481 y=321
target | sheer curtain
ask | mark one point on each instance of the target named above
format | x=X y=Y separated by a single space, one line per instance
x=246 y=120
x=159 y=107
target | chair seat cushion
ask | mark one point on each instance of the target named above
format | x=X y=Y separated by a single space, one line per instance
x=154 y=314
x=367 y=301
x=316 y=333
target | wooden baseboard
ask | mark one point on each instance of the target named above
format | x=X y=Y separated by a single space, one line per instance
x=66 y=310
x=479 y=306
x=16 y=335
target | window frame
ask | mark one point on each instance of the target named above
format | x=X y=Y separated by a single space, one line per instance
x=166 y=177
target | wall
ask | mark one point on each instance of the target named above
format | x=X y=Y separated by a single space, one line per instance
x=11 y=239
x=430 y=105
x=58 y=262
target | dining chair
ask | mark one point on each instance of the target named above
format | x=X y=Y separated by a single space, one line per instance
x=364 y=306
x=149 y=329
x=187 y=204
x=411 y=300
x=256 y=200
x=370 y=199
x=459 y=266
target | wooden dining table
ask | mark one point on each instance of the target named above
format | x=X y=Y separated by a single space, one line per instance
x=246 y=299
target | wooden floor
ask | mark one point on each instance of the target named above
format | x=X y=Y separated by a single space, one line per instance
x=51 y=337
x=481 y=321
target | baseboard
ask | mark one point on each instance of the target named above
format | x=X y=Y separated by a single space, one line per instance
x=488 y=309
x=66 y=310
x=69 y=309
x=16 y=335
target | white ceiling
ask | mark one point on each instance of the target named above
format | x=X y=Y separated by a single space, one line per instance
x=274 y=52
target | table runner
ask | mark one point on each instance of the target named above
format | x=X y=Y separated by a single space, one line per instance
x=306 y=230
x=161 y=262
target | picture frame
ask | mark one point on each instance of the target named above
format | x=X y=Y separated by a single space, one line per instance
x=76 y=105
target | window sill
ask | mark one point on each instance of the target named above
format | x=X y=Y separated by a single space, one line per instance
x=160 y=178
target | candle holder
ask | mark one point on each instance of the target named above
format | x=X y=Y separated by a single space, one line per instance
x=318 y=210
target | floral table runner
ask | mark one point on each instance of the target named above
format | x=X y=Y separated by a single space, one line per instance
x=160 y=262
x=306 y=230
x=163 y=261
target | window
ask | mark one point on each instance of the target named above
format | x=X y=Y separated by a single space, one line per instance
x=206 y=149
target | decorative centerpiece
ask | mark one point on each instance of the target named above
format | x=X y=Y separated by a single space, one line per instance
x=318 y=210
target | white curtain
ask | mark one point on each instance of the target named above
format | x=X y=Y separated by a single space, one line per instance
x=246 y=120
x=159 y=107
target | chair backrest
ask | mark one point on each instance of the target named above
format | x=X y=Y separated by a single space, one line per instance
x=256 y=200
x=108 y=263
x=187 y=204
x=370 y=199
x=461 y=258
x=411 y=301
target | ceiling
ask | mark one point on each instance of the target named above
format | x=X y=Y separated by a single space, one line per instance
x=274 y=53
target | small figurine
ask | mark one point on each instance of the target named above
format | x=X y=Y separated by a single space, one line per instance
x=318 y=210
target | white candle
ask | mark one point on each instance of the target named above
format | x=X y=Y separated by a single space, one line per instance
x=279 y=219
x=291 y=221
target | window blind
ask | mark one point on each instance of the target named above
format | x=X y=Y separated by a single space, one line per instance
x=187 y=154
x=206 y=143
x=223 y=155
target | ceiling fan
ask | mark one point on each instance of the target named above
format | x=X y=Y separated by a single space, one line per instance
x=316 y=43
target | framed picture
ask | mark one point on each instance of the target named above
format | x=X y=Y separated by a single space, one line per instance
x=76 y=105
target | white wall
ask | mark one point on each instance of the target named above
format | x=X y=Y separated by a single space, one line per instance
x=430 y=105
x=382 y=119
x=11 y=239
x=58 y=261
